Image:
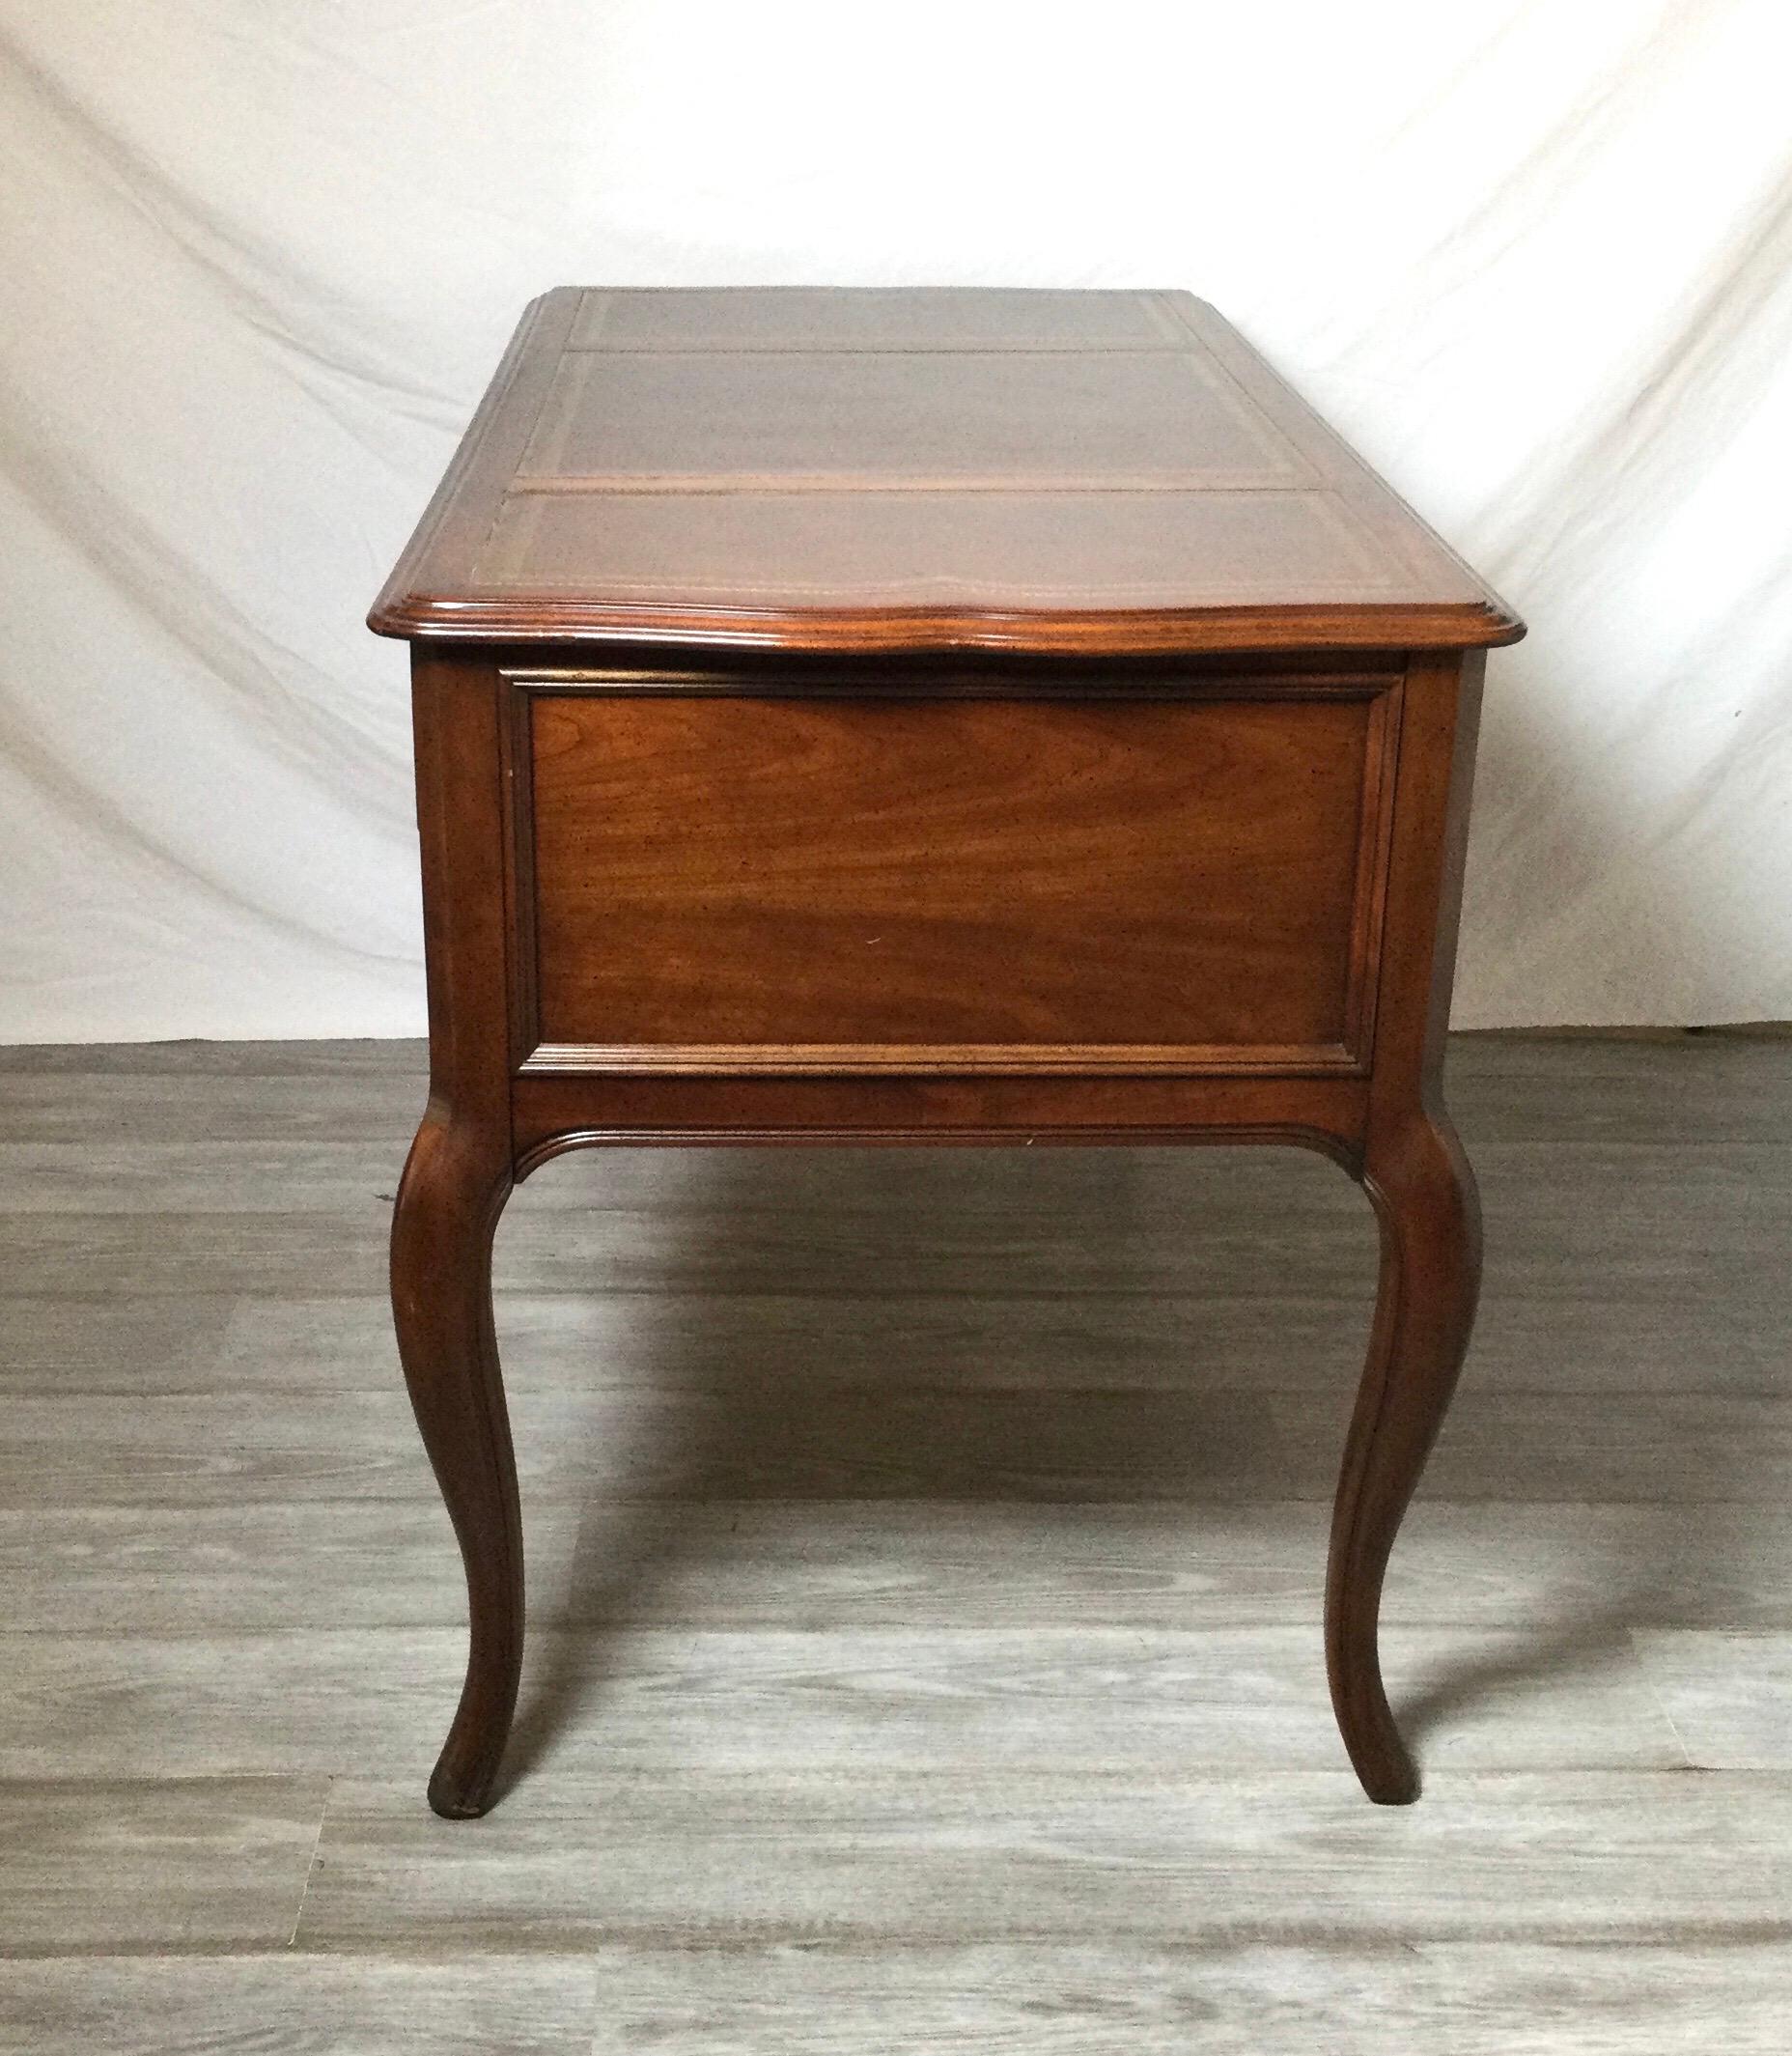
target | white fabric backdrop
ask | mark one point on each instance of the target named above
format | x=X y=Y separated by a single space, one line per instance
x=258 y=257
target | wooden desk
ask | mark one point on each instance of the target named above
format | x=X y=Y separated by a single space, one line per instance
x=929 y=717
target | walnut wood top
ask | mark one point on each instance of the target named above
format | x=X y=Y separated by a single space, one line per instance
x=918 y=469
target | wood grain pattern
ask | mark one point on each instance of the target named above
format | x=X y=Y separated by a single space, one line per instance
x=946 y=1856
x=1573 y=1577
x=266 y=1559
x=554 y=1113
x=1353 y=1993
x=161 y=1863
x=1183 y=885
x=1102 y=472
x=1728 y=1693
x=291 y=2003
x=834 y=1696
x=814 y=1439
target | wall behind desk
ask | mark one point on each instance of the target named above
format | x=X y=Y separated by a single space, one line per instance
x=257 y=262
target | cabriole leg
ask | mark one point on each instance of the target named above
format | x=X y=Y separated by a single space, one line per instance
x=1430 y=1266
x=448 y=1207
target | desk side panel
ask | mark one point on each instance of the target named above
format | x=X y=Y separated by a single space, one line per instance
x=712 y=879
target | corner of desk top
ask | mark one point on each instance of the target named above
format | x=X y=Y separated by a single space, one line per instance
x=1502 y=626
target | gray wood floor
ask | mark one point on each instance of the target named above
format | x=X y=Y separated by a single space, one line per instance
x=925 y=1557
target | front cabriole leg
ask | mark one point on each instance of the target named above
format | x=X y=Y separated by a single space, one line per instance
x=448 y=1205
x=1430 y=1219
x=1412 y=1164
x=456 y=1181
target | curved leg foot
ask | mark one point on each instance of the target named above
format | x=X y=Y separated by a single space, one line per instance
x=448 y=1207
x=1431 y=1268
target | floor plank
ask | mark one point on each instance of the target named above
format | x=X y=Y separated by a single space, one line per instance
x=934 y=1855
x=286 y=1100
x=152 y=1256
x=1120 y=1342
x=1670 y=1086
x=1584 y=1572
x=1231 y=1340
x=1075 y=1998
x=1181 y=1699
x=281 y=1563
x=296 y=2003
x=784 y=1439
x=333 y=1060
x=118 y=1175
x=1728 y=1693
x=1091 y=1999
x=162 y=1861
x=1714 y=1340
x=62 y=1346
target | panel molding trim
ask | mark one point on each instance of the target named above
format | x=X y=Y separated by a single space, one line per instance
x=857 y=1059
x=536 y=1057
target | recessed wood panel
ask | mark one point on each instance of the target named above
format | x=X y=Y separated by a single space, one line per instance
x=815 y=882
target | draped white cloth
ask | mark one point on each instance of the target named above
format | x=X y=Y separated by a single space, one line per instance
x=257 y=257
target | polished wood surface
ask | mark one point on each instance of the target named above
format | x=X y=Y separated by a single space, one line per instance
x=1173 y=882
x=1105 y=472
x=987 y=763
x=925 y=1557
